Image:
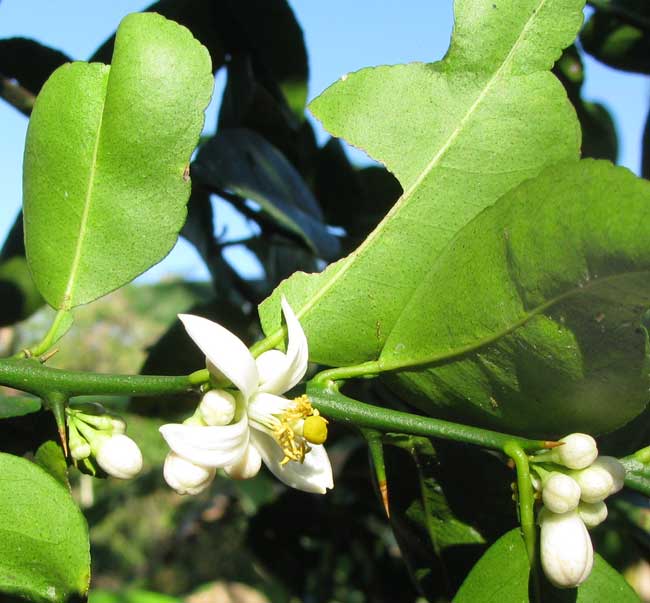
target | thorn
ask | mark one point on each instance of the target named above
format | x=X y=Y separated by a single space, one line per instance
x=383 y=489
x=552 y=444
x=58 y=410
x=45 y=357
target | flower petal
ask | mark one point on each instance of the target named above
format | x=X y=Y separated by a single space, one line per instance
x=313 y=475
x=224 y=350
x=209 y=446
x=186 y=477
x=297 y=357
x=247 y=466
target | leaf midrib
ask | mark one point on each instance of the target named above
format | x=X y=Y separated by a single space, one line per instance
x=383 y=365
x=277 y=336
x=66 y=302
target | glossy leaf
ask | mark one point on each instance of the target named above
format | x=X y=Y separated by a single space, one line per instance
x=538 y=327
x=106 y=158
x=241 y=162
x=476 y=124
x=44 y=550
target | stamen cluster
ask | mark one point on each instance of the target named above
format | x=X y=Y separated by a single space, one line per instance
x=573 y=483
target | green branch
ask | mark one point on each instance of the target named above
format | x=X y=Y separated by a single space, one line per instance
x=328 y=400
x=35 y=378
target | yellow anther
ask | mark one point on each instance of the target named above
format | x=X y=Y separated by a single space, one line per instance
x=315 y=429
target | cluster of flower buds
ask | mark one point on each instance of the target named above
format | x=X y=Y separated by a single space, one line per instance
x=95 y=436
x=574 y=483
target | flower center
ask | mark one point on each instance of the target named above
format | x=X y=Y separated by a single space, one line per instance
x=294 y=426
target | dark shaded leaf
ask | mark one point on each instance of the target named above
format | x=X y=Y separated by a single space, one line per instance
x=19 y=297
x=619 y=35
x=241 y=162
x=599 y=138
x=29 y=62
x=50 y=456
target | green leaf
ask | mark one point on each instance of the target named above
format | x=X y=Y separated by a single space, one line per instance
x=618 y=34
x=502 y=575
x=105 y=181
x=44 y=550
x=241 y=162
x=17 y=406
x=50 y=456
x=537 y=329
x=457 y=134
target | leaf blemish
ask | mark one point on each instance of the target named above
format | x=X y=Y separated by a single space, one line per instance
x=186 y=173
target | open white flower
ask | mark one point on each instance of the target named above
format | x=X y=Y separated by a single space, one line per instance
x=287 y=435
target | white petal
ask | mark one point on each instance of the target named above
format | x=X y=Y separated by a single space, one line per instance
x=247 y=466
x=224 y=350
x=313 y=475
x=184 y=476
x=297 y=356
x=207 y=445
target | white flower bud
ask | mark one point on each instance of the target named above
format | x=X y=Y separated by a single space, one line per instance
x=118 y=455
x=79 y=450
x=560 y=493
x=592 y=514
x=578 y=451
x=615 y=468
x=247 y=466
x=566 y=550
x=118 y=425
x=184 y=476
x=217 y=407
x=595 y=483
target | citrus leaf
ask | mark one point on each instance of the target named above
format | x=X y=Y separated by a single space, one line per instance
x=18 y=406
x=501 y=575
x=106 y=158
x=457 y=134
x=538 y=327
x=44 y=550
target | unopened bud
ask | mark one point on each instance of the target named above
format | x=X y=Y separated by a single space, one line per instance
x=247 y=466
x=595 y=483
x=118 y=455
x=566 y=550
x=578 y=451
x=592 y=514
x=615 y=468
x=270 y=364
x=217 y=407
x=560 y=493
x=184 y=476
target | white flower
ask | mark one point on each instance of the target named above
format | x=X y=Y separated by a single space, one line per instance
x=615 y=469
x=287 y=435
x=118 y=455
x=578 y=451
x=566 y=550
x=560 y=493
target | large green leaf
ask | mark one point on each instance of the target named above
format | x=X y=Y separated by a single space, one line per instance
x=17 y=406
x=537 y=328
x=44 y=550
x=457 y=134
x=106 y=158
x=501 y=576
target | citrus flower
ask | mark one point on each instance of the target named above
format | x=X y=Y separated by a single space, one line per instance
x=239 y=429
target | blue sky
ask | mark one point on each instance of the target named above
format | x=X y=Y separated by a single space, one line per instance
x=341 y=36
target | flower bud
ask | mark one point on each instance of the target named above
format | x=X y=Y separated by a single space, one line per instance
x=592 y=514
x=217 y=407
x=578 y=451
x=118 y=455
x=596 y=483
x=566 y=550
x=560 y=493
x=184 y=476
x=80 y=450
x=615 y=468
x=247 y=466
x=269 y=364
